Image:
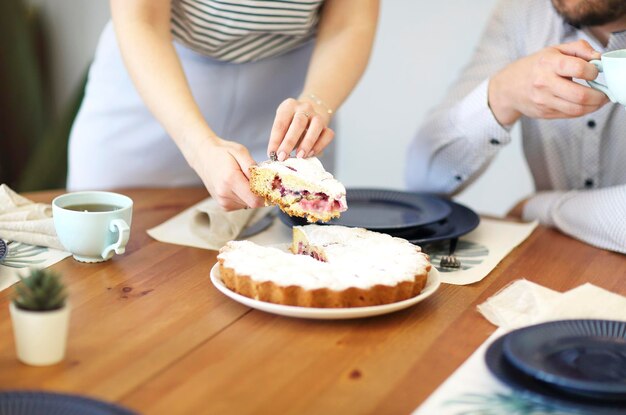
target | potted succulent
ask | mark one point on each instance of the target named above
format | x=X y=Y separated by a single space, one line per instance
x=40 y=315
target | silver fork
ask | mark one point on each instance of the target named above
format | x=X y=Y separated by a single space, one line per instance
x=4 y=249
x=450 y=261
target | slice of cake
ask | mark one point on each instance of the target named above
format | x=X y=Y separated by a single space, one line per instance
x=329 y=266
x=300 y=187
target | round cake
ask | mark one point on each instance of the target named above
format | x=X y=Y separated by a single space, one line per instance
x=328 y=266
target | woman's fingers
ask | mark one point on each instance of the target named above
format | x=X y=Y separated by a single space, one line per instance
x=299 y=124
x=238 y=181
x=241 y=189
x=325 y=138
x=312 y=135
x=284 y=115
x=243 y=158
x=234 y=193
x=226 y=197
x=225 y=172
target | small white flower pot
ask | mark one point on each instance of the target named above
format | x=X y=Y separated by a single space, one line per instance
x=40 y=336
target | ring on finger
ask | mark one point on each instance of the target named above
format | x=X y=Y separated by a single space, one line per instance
x=306 y=114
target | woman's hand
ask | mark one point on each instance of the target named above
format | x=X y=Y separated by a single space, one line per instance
x=300 y=124
x=223 y=167
x=342 y=48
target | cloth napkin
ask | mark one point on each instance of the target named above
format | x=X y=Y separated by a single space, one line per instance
x=472 y=388
x=24 y=221
x=523 y=303
x=206 y=225
x=480 y=250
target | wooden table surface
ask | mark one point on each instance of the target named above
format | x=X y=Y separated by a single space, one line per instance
x=149 y=331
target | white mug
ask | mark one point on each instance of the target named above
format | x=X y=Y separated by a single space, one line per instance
x=93 y=225
x=613 y=65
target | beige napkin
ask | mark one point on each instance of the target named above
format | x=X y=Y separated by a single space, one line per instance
x=524 y=303
x=481 y=250
x=22 y=220
x=206 y=225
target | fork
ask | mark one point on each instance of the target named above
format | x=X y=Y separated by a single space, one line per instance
x=450 y=260
x=4 y=249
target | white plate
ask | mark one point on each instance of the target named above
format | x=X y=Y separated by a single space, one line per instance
x=327 y=313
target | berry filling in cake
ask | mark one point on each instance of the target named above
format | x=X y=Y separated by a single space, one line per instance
x=303 y=249
x=316 y=202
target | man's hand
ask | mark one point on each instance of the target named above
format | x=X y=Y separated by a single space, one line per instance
x=223 y=167
x=517 y=212
x=541 y=86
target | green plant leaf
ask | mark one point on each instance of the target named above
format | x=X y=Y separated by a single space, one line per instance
x=41 y=290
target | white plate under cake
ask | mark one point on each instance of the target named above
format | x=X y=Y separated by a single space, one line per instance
x=329 y=267
x=300 y=187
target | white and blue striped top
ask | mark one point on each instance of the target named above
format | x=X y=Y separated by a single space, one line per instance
x=244 y=30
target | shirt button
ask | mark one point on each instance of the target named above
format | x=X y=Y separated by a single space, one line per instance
x=589 y=183
x=591 y=124
x=494 y=141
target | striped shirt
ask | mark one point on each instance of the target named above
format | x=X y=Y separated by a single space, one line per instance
x=578 y=165
x=244 y=30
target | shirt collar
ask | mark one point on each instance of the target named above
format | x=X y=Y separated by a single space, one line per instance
x=617 y=40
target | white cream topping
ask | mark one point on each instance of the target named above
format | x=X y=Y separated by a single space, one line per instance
x=356 y=258
x=310 y=170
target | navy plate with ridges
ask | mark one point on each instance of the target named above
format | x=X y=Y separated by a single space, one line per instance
x=461 y=221
x=381 y=210
x=528 y=387
x=579 y=355
x=47 y=403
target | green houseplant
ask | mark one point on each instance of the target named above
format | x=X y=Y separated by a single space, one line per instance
x=40 y=316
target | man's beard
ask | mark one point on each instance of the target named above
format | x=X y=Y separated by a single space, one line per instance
x=590 y=12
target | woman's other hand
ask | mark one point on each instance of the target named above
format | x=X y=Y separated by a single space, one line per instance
x=223 y=167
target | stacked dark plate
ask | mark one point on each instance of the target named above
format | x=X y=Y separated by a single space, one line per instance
x=573 y=365
x=49 y=403
x=418 y=217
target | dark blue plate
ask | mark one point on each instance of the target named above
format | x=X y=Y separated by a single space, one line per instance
x=47 y=403
x=385 y=210
x=579 y=355
x=461 y=221
x=542 y=393
x=3 y=250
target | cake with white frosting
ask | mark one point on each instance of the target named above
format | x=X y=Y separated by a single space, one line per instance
x=328 y=266
x=300 y=187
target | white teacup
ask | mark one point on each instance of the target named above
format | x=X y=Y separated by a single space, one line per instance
x=613 y=65
x=93 y=225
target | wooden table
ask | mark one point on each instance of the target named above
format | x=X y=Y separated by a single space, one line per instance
x=149 y=331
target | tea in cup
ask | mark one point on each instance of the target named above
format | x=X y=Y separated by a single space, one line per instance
x=613 y=65
x=93 y=226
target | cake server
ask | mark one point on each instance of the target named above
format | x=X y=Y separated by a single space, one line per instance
x=258 y=226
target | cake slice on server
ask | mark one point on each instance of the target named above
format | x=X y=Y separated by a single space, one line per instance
x=300 y=187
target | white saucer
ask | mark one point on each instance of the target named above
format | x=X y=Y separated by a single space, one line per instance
x=432 y=284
